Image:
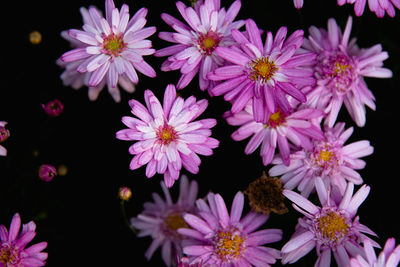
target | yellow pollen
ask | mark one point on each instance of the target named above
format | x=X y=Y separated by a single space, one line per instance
x=174 y=221
x=208 y=42
x=275 y=119
x=8 y=255
x=263 y=68
x=325 y=155
x=113 y=44
x=340 y=68
x=228 y=245
x=333 y=226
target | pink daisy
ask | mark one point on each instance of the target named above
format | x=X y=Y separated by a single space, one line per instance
x=266 y=73
x=72 y=77
x=379 y=7
x=389 y=256
x=340 y=70
x=329 y=159
x=4 y=134
x=161 y=219
x=331 y=228
x=208 y=27
x=220 y=239
x=281 y=127
x=167 y=136
x=12 y=245
x=47 y=172
x=111 y=49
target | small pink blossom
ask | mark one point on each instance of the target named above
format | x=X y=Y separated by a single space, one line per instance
x=264 y=73
x=208 y=26
x=167 y=136
x=340 y=70
x=162 y=218
x=217 y=238
x=47 y=172
x=330 y=159
x=331 y=228
x=296 y=126
x=110 y=49
x=13 y=251
x=53 y=108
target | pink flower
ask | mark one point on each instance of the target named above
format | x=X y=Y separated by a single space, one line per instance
x=167 y=136
x=53 y=108
x=4 y=134
x=12 y=245
x=281 y=127
x=184 y=262
x=331 y=228
x=208 y=27
x=389 y=256
x=111 y=49
x=329 y=159
x=265 y=73
x=218 y=238
x=379 y=7
x=47 y=172
x=298 y=3
x=161 y=219
x=340 y=70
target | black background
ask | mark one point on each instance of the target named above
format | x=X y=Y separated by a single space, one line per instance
x=79 y=214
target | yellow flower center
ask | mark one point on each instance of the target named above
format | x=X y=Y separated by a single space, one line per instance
x=113 y=44
x=208 y=42
x=8 y=254
x=340 y=68
x=262 y=69
x=275 y=119
x=166 y=134
x=325 y=155
x=174 y=221
x=333 y=226
x=229 y=244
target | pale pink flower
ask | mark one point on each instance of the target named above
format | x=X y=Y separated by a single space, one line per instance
x=340 y=70
x=13 y=251
x=217 y=238
x=330 y=159
x=264 y=73
x=331 y=228
x=4 y=134
x=379 y=7
x=111 y=50
x=298 y=3
x=207 y=27
x=281 y=127
x=389 y=256
x=167 y=136
x=161 y=219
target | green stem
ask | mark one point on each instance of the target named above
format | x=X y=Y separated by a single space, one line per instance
x=126 y=218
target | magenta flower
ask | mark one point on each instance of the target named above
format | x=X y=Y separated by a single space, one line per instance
x=389 y=256
x=379 y=7
x=4 y=134
x=12 y=245
x=111 y=48
x=47 y=172
x=167 y=136
x=340 y=69
x=329 y=159
x=331 y=228
x=220 y=239
x=280 y=128
x=53 y=108
x=208 y=27
x=265 y=74
x=161 y=219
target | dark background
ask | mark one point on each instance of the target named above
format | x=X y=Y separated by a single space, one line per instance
x=79 y=214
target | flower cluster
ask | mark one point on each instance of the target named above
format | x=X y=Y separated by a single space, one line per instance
x=285 y=92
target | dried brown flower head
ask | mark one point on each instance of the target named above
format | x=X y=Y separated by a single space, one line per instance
x=265 y=195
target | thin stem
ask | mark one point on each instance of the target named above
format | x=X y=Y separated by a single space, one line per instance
x=126 y=218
